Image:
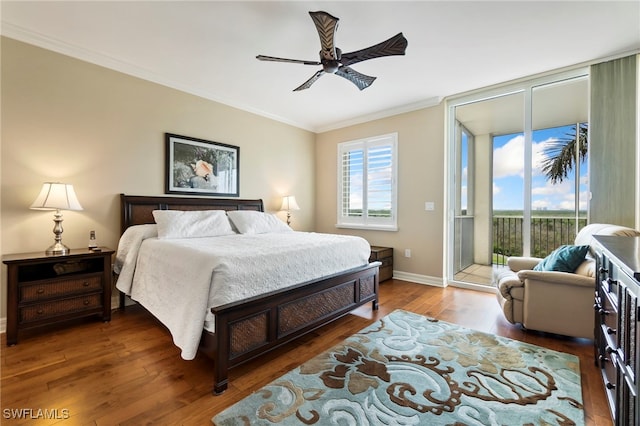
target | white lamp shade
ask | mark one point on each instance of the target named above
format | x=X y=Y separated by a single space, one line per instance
x=55 y=195
x=289 y=203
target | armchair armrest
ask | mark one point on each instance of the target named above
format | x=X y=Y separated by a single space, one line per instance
x=505 y=280
x=518 y=263
x=558 y=278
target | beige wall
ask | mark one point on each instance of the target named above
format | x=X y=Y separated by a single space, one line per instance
x=483 y=200
x=103 y=131
x=420 y=179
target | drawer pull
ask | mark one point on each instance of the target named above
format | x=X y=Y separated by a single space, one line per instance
x=40 y=291
x=610 y=386
x=86 y=302
x=603 y=270
x=603 y=359
x=40 y=311
x=85 y=284
x=611 y=330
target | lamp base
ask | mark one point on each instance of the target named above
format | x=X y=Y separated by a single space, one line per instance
x=58 y=249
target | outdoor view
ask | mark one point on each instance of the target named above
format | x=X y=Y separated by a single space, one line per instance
x=366 y=179
x=559 y=190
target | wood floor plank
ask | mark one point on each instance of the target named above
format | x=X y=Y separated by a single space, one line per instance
x=128 y=372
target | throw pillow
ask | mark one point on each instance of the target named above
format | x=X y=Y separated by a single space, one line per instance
x=564 y=259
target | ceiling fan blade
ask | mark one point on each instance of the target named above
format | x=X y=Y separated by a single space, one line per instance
x=309 y=82
x=396 y=45
x=326 y=25
x=361 y=80
x=295 y=61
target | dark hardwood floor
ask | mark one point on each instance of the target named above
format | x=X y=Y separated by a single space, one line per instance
x=128 y=372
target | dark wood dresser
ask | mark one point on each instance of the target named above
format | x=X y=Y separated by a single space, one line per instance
x=384 y=255
x=42 y=289
x=617 y=332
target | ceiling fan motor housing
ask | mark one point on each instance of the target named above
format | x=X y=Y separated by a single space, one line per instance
x=329 y=63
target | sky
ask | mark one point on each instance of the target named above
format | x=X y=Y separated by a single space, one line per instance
x=508 y=175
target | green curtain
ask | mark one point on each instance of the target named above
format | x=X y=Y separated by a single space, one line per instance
x=613 y=142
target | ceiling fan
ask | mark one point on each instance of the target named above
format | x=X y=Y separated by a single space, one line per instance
x=332 y=59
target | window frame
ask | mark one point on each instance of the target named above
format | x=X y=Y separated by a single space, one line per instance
x=365 y=221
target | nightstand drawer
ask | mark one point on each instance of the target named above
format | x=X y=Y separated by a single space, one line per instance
x=47 y=289
x=40 y=311
x=383 y=255
x=380 y=253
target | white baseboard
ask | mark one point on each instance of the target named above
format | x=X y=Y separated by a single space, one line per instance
x=472 y=286
x=418 y=278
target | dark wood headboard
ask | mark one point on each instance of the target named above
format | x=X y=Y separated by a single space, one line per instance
x=138 y=210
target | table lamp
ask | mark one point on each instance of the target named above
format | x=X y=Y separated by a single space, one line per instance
x=288 y=204
x=57 y=196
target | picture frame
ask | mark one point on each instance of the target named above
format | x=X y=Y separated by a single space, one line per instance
x=201 y=167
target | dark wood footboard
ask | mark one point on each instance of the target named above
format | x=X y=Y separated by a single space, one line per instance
x=250 y=328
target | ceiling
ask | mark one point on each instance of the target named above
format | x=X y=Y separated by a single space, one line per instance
x=208 y=48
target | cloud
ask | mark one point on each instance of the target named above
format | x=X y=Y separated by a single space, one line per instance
x=557 y=197
x=553 y=189
x=508 y=160
x=539 y=156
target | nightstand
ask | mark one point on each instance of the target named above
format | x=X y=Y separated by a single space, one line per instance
x=384 y=255
x=43 y=290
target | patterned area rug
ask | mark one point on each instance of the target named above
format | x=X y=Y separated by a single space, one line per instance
x=407 y=369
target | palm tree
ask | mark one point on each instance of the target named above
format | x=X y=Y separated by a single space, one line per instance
x=560 y=154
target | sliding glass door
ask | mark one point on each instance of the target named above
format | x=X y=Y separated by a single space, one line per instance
x=518 y=179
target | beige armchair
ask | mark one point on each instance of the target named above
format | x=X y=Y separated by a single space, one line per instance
x=550 y=301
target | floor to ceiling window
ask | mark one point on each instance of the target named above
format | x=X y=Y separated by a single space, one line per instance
x=518 y=183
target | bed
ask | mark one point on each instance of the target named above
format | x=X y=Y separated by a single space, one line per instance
x=247 y=328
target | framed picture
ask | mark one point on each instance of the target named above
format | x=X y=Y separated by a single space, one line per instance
x=197 y=166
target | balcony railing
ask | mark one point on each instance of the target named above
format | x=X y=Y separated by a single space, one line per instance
x=547 y=234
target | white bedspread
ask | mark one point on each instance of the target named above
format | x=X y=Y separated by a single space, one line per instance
x=179 y=280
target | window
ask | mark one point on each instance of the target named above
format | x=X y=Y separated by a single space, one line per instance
x=367 y=191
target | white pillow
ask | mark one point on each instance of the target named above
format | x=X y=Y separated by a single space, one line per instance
x=192 y=224
x=253 y=222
